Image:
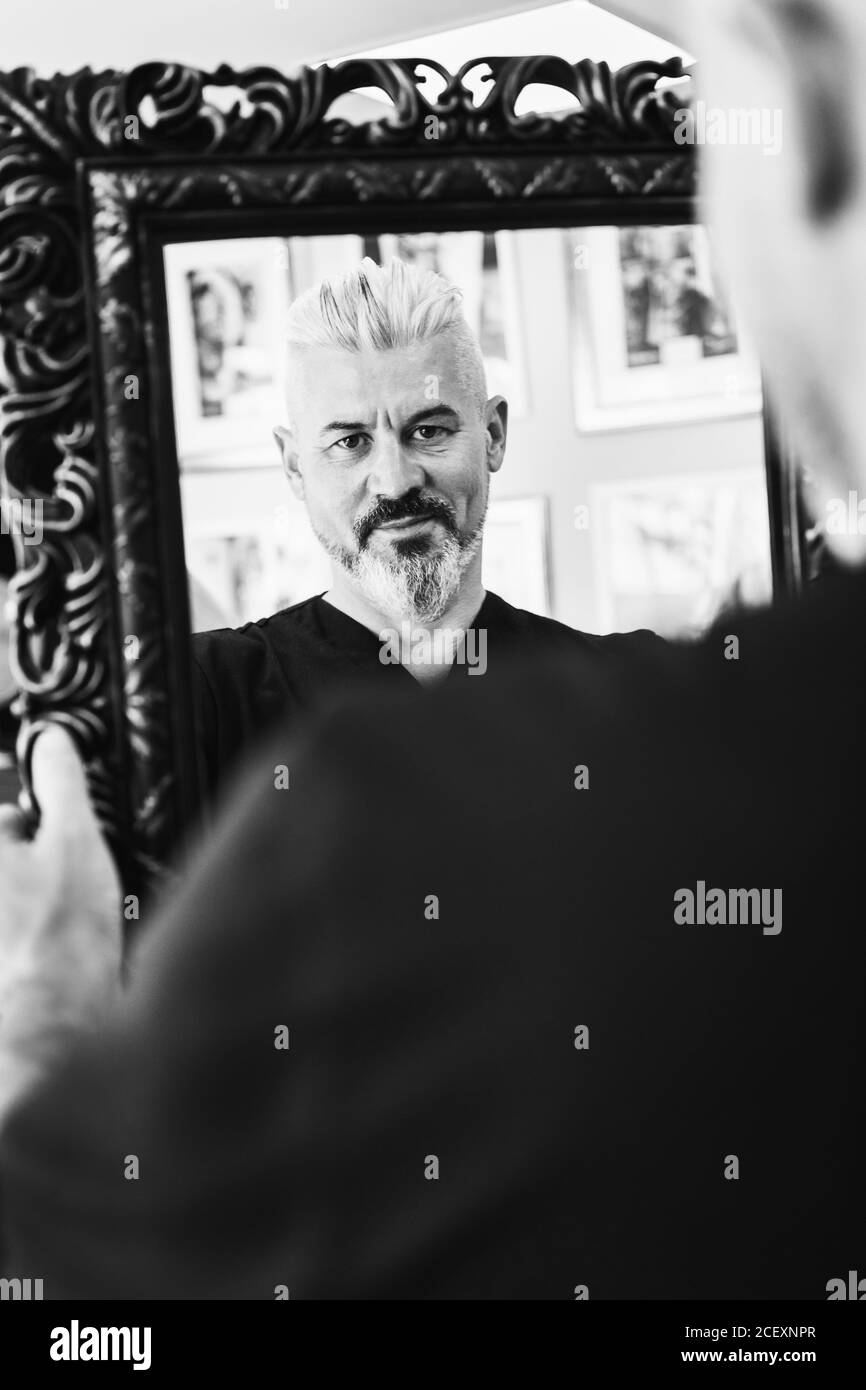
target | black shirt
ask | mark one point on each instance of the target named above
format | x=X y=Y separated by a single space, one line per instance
x=247 y=679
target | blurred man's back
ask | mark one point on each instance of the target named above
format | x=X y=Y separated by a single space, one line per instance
x=440 y=1125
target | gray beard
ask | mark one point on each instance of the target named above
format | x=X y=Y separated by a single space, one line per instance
x=414 y=588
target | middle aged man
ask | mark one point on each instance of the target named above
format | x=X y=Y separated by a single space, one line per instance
x=392 y=445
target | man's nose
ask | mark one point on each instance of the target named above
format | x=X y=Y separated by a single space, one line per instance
x=393 y=470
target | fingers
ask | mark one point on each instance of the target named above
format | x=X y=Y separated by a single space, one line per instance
x=59 y=781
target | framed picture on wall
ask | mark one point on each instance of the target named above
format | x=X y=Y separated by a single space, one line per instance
x=653 y=339
x=673 y=553
x=515 y=561
x=240 y=571
x=227 y=306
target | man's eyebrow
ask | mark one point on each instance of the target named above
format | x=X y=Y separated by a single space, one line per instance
x=349 y=426
x=418 y=417
x=440 y=411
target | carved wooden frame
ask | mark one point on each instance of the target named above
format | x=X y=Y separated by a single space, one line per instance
x=96 y=172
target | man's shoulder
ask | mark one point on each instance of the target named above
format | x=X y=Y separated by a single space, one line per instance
x=557 y=636
x=252 y=640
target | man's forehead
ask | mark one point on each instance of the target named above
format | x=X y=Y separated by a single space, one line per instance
x=328 y=382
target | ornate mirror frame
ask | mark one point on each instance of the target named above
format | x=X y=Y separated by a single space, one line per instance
x=97 y=172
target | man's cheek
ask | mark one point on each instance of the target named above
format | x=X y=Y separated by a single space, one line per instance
x=326 y=501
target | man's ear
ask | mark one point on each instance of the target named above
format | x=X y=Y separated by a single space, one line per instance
x=287 y=445
x=496 y=427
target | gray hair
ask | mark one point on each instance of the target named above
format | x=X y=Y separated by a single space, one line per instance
x=382 y=307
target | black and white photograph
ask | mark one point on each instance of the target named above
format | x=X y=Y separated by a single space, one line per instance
x=432 y=550
x=654 y=337
x=227 y=303
x=671 y=305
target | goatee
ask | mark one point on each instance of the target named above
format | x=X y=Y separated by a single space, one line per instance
x=416 y=584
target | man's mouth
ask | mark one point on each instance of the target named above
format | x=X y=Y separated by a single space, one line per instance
x=405 y=522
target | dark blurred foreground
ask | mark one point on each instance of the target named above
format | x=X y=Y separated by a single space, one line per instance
x=416 y=1036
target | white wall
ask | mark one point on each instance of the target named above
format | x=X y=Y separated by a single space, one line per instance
x=64 y=35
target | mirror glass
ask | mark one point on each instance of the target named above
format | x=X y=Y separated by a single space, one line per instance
x=632 y=492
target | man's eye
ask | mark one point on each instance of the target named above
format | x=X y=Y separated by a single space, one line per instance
x=349 y=443
x=429 y=433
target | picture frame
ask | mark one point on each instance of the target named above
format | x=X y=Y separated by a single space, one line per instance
x=245 y=567
x=227 y=302
x=652 y=340
x=671 y=552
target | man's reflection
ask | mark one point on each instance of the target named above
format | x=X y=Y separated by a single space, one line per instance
x=391 y=445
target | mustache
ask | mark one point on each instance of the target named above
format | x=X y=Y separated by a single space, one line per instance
x=401 y=509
